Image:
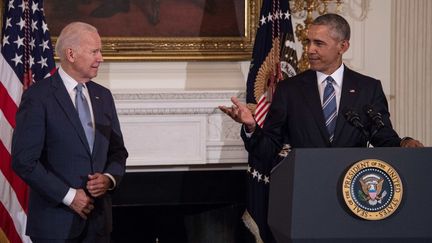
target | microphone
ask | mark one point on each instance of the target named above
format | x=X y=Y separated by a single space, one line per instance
x=374 y=116
x=354 y=118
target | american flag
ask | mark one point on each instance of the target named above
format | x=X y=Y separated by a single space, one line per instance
x=26 y=56
x=274 y=58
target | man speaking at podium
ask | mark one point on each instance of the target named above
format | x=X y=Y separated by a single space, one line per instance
x=329 y=105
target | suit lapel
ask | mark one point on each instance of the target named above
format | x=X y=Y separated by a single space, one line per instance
x=349 y=95
x=65 y=102
x=310 y=90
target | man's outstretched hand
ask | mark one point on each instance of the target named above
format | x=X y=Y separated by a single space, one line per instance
x=240 y=113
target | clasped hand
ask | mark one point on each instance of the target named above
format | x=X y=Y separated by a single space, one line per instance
x=97 y=185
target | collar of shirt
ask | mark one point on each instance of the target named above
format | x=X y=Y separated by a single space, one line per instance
x=70 y=85
x=337 y=77
x=69 y=82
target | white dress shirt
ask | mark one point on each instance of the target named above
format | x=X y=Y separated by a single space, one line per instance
x=70 y=85
x=337 y=84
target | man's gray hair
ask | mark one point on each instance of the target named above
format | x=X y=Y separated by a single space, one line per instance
x=339 y=27
x=70 y=37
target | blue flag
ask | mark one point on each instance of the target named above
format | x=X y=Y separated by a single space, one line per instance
x=274 y=58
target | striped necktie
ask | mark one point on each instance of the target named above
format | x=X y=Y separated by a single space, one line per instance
x=83 y=109
x=329 y=107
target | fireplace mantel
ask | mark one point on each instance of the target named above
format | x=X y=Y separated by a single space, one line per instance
x=179 y=130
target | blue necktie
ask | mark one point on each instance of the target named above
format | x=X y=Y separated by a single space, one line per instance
x=84 y=114
x=329 y=107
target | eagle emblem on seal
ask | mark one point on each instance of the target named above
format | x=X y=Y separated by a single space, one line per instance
x=371 y=189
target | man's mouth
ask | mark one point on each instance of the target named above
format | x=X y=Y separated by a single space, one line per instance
x=313 y=58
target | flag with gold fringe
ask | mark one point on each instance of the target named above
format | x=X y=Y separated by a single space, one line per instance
x=274 y=58
x=26 y=56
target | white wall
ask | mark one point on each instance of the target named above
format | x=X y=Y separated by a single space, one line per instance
x=411 y=89
x=173 y=75
x=371 y=42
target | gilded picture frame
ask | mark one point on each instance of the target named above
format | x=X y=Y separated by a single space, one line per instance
x=171 y=45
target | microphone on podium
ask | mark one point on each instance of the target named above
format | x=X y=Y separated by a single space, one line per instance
x=354 y=119
x=375 y=117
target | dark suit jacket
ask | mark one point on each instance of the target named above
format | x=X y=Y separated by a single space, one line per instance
x=50 y=153
x=296 y=117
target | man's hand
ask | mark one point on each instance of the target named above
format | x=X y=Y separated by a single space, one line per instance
x=411 y=143
x=240 y=113
x=82 y=204
x=98 y=184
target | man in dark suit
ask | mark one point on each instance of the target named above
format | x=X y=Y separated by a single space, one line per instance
x=68 y=147
x=309 y=111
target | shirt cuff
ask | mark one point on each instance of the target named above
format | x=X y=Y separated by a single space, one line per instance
x=70 y=195
x=112 y=180
x=248 y=134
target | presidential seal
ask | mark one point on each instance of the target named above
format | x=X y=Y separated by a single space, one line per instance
x=372 y=189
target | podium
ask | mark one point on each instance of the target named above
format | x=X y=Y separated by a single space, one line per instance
x=306 y=202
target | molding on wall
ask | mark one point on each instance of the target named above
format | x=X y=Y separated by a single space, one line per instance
x=179 y=129
x=128 y=95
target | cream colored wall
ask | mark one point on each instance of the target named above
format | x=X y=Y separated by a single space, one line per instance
x=411 y=99
x=374 y=52
x=173 y=75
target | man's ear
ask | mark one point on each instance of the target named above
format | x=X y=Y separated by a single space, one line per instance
x=344 y=46
x=70 y=55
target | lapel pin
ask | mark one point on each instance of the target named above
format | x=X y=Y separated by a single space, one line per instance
x=97 y=97
x=352 y=91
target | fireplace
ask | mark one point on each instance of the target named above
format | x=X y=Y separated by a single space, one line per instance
x=181 y=206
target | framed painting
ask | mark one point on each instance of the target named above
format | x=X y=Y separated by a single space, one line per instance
x=158 y=30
